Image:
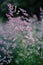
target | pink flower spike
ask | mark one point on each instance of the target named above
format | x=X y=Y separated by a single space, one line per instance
x=24 y=11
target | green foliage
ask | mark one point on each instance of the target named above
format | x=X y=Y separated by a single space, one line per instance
x=20 y=54
x=3 y=11
x=24 y=56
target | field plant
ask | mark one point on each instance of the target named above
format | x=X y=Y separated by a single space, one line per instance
x=18 y=54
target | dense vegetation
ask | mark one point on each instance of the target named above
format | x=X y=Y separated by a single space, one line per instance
x=31 y=7
x=20 y=54
x=20 y=50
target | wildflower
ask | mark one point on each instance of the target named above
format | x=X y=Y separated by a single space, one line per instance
x=10 y=8
x=24 y=11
